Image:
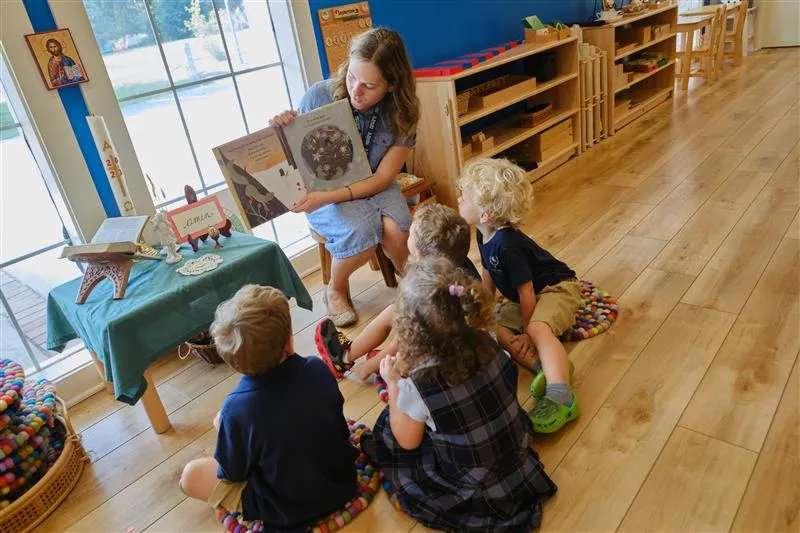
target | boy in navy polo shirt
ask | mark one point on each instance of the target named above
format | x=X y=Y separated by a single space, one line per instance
x=283 y=452
x=542 y=292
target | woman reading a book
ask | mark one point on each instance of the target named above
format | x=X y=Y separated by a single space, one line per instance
x=378 y=81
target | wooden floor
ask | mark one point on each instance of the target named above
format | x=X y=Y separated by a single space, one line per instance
x=689 y=402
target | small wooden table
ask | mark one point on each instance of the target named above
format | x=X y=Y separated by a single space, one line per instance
x=687 y=25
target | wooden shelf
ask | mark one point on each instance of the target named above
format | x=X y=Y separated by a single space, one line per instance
x=645 y=14
x=650 y=98
x=523 y=50
x=475 y=114
x=506 y=135
x=551 y=164
x=637 y=79
x=644 y=46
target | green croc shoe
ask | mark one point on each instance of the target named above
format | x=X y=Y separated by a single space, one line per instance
x=549 y=416
x=539 y=383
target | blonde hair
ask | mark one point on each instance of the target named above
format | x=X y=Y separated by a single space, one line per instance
x=439 y=231
x=449 y=327
x=251 y=329
x=499 y=189
x=384 y=48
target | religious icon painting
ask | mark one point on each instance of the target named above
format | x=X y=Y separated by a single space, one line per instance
x=57 y=58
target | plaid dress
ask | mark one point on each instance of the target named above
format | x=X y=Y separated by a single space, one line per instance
x=476 y=472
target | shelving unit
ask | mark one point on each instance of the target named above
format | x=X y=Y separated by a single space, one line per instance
x=630 y=100
x=442 y=132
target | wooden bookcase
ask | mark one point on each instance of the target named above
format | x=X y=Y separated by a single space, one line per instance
x=623 y=41
x=442 y=133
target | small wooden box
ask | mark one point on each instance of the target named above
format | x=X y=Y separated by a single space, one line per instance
x=466 y=151
x=563 y=33
x=545 y=35
x=529 y=120
x=512 y=86
x=480 y=145
x=660 y=30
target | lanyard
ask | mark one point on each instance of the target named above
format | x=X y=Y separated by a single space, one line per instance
x=366 y=137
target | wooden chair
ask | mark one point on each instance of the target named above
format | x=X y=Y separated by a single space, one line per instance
x=710 y=54
x=379 y=261
x=736 y=37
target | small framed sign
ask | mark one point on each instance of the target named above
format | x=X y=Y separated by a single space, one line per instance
x=193 y=220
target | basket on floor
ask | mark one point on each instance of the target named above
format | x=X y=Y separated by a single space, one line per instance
x=203 y=348
x=33 y=507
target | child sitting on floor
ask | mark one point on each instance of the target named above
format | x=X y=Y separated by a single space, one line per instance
x=436 y=231
x=454 y=441
x=283 y=452
x=542 y=292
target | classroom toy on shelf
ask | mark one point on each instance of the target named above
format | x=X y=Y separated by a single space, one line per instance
x=449 y=67
x=481 y=142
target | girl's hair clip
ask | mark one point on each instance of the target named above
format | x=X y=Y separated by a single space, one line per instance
x=456 y=290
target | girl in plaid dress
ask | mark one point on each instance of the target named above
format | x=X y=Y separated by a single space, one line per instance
x=454 y=441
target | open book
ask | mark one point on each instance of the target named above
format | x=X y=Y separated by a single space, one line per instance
x=270 y=170
x=116 y=235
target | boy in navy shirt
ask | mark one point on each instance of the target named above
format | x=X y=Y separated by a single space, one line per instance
x=542 y=292
x=283 y=451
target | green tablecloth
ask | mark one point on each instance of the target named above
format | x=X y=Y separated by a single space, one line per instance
x=162 y=308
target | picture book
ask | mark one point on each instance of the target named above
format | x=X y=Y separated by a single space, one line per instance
x=270 y=170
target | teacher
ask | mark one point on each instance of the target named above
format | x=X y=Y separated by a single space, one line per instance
x=378 y=81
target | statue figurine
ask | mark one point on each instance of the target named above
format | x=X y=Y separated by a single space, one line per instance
x=169 y=244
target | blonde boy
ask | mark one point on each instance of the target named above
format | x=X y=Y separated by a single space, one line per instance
x=283 y=454
x=436 y=231
x=542 y=292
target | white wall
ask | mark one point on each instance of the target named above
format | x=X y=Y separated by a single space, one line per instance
x=50 y=120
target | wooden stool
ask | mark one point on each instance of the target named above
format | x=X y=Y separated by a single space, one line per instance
x=378 y=261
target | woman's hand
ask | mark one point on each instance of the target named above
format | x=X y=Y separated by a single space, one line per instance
x=389 y=371
x=283 y=119
x=312 y=201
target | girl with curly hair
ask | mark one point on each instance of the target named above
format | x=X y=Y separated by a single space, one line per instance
x=454 y=441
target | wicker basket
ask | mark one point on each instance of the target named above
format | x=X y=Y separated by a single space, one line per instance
x=33 y=507
x=203 y=348
x=462 y=102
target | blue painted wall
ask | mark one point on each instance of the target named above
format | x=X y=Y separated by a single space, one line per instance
x=435 y=30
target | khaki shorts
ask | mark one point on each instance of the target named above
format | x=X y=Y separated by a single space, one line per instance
x=555 y=306
x=227 y=494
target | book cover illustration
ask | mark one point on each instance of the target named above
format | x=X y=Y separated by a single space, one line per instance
x=261 y=181
x=325 y=147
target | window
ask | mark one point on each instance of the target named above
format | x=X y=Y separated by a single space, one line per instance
x=190 y=75
x=32 y=232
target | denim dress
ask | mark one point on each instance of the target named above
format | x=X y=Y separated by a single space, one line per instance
x=354 y=226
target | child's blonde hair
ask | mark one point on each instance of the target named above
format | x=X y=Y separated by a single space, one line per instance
x=384 y=48
x=439 y=231
x=251 y=329
x=444 y=314
x=498 y=188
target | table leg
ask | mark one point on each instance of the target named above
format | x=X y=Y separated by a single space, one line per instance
x=153 y=406
x=101 y=369
x=686 y=64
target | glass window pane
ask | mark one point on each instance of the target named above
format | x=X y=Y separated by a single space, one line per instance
x=125 y=38
x=190 y=38
x=265 y=232
x=25 y=286
x=213 y=117
x=28 y=219
x=263 y=95
x=161 y=145
x=291 y=227
x=7 y=117
x=248 y=33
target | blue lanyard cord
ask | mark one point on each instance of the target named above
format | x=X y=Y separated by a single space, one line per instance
x=366 y=137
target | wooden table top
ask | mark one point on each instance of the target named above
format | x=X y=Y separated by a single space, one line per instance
x=687 y=22
x=709 y=10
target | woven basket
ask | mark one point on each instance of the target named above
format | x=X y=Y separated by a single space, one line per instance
x=33 y=507
x=203 y=348
x=462 y=102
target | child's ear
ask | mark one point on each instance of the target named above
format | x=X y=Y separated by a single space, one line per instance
x=289 y=348
x=485 y=218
